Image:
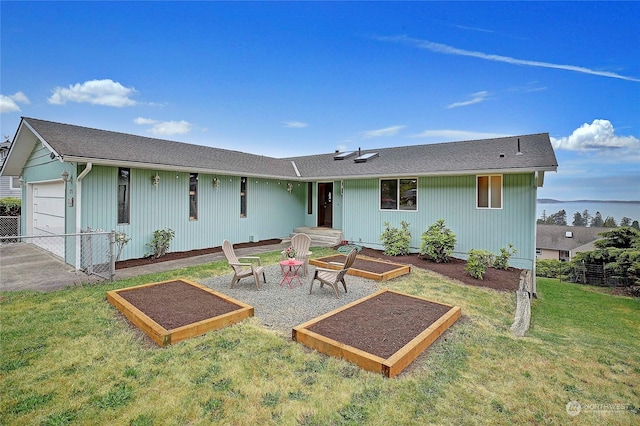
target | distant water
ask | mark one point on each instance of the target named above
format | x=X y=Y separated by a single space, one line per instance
x=616 y=209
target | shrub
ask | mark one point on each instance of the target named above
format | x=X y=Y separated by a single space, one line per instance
x=552 y=268
x=160 y=242
x=438 y=242
x=122 y=239
x=396 y=241
x=502 y=260
x=478 y=262
x=10 y=206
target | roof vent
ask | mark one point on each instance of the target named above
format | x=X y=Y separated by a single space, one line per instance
x=519 y=152
x=364 y=157
x=501 y=155
x=568 y=234
x=343 y=155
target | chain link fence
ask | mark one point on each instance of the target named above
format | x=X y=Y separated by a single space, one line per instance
x=9 y=226
x=91 y=252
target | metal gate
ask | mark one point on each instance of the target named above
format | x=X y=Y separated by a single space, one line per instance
x=91 y=252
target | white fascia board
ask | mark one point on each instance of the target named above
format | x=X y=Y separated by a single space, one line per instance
x=171 y=168
x=445 y=173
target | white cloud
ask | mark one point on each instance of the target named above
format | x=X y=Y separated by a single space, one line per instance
x=294 y=124
x=476 y=98
x=598 y=135
x=387 y=131
x=450 y=50
x=444 y=135
x=141 y=120
x=165 y=128
x=10 y=103
x=97 y=92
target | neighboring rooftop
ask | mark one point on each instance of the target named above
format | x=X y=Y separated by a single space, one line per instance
x=566 y=238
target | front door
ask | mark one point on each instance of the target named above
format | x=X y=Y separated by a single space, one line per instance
x=325 y=204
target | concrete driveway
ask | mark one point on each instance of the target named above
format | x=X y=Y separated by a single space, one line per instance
x=28 y=267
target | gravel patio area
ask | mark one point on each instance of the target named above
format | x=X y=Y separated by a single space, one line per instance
x=281 y=308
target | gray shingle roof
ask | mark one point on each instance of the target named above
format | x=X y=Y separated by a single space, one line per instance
x=553 y=237
x=536 y=153
x=75 y=143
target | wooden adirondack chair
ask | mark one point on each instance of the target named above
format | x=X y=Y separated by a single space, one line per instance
x=243 y=269
x=332 y=277
x=301 y=243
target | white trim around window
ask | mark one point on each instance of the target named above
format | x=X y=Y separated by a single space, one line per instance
x=489 y=190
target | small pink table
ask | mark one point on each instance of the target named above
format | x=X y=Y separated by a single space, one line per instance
x=290 y=269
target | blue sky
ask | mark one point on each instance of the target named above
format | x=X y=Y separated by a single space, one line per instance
x=298 y=78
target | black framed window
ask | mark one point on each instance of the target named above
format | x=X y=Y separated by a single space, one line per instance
x=193 y=196
x=399 y=194
x=124 y=195
x=243 y=197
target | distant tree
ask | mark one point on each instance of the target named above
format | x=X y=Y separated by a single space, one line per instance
x=625 y=221
x=610 y=222
x=619 y=251
x=586 y=217
x=578 y=220
x=622 y=238
x=543 y=218
x=597 y=220
x=635 y=225
x=558 y=218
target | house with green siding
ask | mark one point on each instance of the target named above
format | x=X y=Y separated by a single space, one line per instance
x=74 y=178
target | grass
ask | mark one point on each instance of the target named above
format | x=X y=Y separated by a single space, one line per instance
x=68 y=357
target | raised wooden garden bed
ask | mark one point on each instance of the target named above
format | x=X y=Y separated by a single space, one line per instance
x=383 y=332
x=366 y=267
x=171 y=311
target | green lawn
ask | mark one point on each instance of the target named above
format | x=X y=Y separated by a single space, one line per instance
x=68 y=357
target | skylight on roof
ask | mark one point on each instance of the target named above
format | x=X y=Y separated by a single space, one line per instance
x=343 y=155
x=364 y=157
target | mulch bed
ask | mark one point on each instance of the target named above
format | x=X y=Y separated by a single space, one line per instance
x=503 y=280
x=382 y=325
x=187 y=254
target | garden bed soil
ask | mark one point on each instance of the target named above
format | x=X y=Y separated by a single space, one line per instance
x=383 y=332
x=374 y=269
x=171 y=311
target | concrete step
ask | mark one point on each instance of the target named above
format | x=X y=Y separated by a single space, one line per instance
x=320 y=236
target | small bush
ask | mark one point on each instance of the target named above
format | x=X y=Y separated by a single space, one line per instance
x=502 y=260
x=10 y=206
x=551 y=268
x=161 y=242
x=438 y=242
x=396 y=241
x=478 y=262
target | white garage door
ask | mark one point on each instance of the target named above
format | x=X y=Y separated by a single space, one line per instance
x=48 y=215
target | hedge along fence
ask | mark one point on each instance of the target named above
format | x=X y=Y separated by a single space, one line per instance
x=10 y=206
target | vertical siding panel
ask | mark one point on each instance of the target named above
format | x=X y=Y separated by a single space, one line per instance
x=271 y=211
x=452 y=198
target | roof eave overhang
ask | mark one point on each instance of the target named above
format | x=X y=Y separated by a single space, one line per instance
x=172 y=168
x=539 y=170
x=19 y=152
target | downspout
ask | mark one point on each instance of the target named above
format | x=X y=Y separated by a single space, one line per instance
x=79 y=210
